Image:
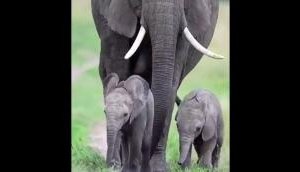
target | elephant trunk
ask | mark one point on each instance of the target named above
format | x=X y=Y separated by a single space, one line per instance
x=185 y=145
x=163 y=25
x=112 y=133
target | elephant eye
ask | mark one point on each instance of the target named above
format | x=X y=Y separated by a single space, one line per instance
x=125 y=114
x=198 y=129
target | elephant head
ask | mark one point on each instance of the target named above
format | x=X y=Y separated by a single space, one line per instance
x=195 y=118
x=124 y=16
x=124 y=101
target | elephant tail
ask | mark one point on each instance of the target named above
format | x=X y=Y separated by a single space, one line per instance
x=177 y=100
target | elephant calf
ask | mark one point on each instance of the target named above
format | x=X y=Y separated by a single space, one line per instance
x=199 y=121
x=129 y=110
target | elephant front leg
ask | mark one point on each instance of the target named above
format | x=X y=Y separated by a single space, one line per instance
x=216 y=156
x=207 y=150
x=133 y=164
x=146 y=149
x=197 y=144
x=125 y=150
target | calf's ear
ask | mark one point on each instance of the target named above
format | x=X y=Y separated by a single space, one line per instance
x=138 y=89
x=110 y=82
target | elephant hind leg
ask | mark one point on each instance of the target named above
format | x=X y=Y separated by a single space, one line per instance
x=146 y=150
x=146 y=158
x=207 y=149
x=216 y=156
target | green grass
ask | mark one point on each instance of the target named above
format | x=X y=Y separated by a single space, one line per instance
x=87 y=100
x=86 y=159
x=85 y=41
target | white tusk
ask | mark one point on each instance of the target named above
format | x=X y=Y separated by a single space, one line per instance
x=199 y=47
x=136 y=43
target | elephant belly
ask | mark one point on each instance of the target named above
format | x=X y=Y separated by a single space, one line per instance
x=143 y=67
x=141 y=63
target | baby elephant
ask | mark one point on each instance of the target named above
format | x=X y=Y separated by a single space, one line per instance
x=199 y=121
x=129 y=110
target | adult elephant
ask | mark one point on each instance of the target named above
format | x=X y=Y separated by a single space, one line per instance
x=157 y=36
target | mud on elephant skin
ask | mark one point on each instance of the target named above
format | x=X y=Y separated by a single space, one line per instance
x=200 y=122
x=129 y=110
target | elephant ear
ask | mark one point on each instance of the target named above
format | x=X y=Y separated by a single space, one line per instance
x=121 y=17
x=200 y=16
x=179 y=109
x=121 y=84
x=191 y=95
x=110 y=82
x=209 y=128
x=138 y=89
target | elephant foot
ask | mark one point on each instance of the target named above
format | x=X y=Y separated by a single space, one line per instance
x=116 y=165
x=146 y=170
x=185 y=166
x=215 y=165
x=206 y=165
x=130 y=170
x=158 y=163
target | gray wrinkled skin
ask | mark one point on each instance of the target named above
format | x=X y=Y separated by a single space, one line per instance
x=199 y=122
x=164 y=57
x=129 y=114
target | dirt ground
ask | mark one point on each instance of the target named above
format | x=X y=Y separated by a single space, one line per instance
x=98 y=138
x=77 y=72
